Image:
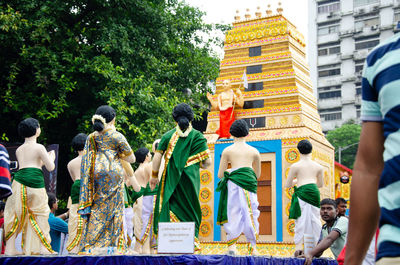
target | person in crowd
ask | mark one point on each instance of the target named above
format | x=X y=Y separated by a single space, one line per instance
x=5 y=177
x=333 y=234
x=185 y=150
x=101 y=200
x=2 y=205
x=307 y=175
x=27 y=209
x=57 y=224
x=237 y=186
x=341 y=205
x=376 y=174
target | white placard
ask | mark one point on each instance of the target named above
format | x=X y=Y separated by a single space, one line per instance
x=176 y=238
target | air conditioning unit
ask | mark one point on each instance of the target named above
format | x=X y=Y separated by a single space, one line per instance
x=374 y=27
x=361 y=11
x=375 y=8
x=330 y=15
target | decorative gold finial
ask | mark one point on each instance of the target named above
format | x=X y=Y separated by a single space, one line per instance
x=269 y=11
x=279 y=9
x=237 y=17
x=258 y=12
x=247 y=15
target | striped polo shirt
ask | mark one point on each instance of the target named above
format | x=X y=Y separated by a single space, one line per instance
x=381 y=103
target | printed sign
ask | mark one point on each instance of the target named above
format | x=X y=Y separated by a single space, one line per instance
x=176 y=238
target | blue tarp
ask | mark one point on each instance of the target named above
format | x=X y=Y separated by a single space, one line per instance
x=157 y=259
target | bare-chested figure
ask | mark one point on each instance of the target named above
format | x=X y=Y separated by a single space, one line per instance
x=306 y=198
x=238 y=207
x=27 y=209
x=145 y=242
x=75 y=222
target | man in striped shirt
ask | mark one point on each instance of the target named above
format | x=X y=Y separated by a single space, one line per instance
x=377 y=168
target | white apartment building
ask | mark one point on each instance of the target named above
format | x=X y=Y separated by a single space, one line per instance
x=341 y=33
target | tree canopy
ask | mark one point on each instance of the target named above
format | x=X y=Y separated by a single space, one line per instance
x=347 y=136
x=63 y=59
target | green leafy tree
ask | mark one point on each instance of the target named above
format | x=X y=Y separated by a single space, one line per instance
x=346 y=138
x=63 y=59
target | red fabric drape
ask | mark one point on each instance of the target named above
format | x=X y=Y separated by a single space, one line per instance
x=226 y=118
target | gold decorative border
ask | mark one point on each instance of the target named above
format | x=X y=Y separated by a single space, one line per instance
x=292 y=155
x=251 y=77
x=287 y=209
x=206 y=191
x=290 y=227
x=289 y=192
x=258 y=59
x=205 y=229
x=205 y=177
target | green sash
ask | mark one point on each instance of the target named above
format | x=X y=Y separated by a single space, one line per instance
x=30 y=177
x=180 y=184
x=308 y=193
x=243 y=177
x=75 y=189
x=147 y=191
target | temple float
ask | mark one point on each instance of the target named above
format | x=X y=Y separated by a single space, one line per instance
x=280 y=109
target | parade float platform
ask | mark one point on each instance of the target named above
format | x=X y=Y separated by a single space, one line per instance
x=158 y=259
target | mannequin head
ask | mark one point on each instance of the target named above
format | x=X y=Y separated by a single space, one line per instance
x=183 y=115
x=104 y=115
x=304 y=147
x=78 y=142
x=28 y=128
x=142 y=154
x=239 y=128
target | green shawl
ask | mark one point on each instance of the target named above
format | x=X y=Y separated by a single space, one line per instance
x=308 y=193
x=75 y=189
x=30 y=177
x=243 y=177
x=180 y=183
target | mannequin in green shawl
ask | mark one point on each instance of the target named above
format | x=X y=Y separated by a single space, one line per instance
x=29 y=193
x=185 y=150
x=306 y=198
x=238 y=187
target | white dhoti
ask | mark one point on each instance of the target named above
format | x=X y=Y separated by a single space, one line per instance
x=27 y=210
x=147 y=220
x=308 y=224
x=243 y=214
x=137 y=217
x=76 y=225
x=128 y=225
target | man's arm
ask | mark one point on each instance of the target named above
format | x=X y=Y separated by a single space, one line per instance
x=322 y=246
x=291 y=175
x=364 y=191
x=155 y=167
x=223 y=165
x=257 y=164
x=320 y=178
x=47 y=158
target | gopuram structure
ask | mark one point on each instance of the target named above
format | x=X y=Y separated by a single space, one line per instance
x=280 y=109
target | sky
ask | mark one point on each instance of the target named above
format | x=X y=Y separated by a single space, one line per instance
x=223 y=11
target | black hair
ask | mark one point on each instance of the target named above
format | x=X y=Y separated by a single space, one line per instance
x=239 y=128
x=340 y=200
x=141 y=154
x=183 y=115
x=304 y=147
x=105 y=111
x=2 y=205
x=28 y=127
x=329 y=202
x=78 y=142
x=52 y=199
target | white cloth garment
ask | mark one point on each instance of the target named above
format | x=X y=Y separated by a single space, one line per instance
x=128 y=224
x=308 y=223
x=147 y=218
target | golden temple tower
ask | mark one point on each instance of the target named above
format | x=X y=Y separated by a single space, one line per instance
x=280 y=109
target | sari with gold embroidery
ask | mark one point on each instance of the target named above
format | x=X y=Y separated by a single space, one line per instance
x=101 y=200
x=178 y=193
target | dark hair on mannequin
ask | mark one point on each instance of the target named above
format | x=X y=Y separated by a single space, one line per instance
x=304 y=147
x=28 y=127
x=78 y=142
x=239 y=128
x=52 y=199
x=105 y=111
x=141 y=154
x=328 y=201
x=183 y=115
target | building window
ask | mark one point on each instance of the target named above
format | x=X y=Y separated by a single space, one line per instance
x=364 y=2
x=359 y=65
x=358 y=88
x=254 y=51
x=396 y=17
x=329 y=48
x=358 y=110
x=367 y=42
x=370 y=20
x=331 y=114
x=254 y=86
x=255 y=69
x=254 y=104
x=328 y=27
x=329 y=92
x=328 y=6
x=328 y=70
